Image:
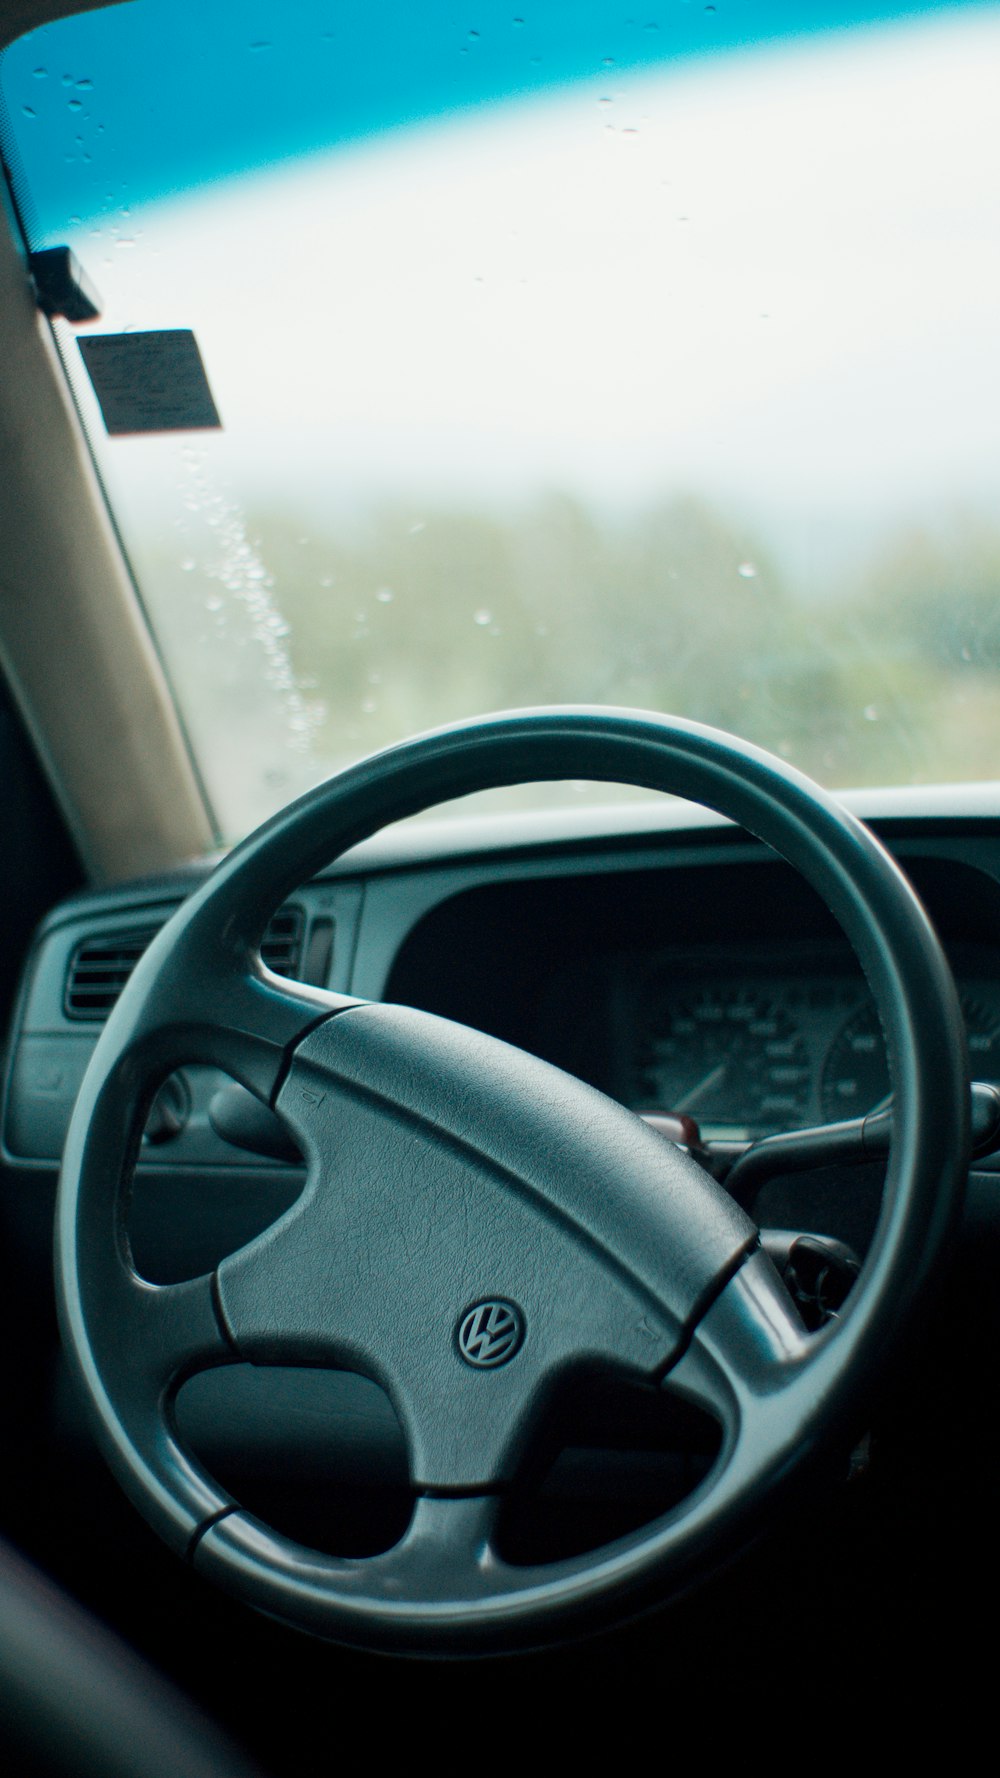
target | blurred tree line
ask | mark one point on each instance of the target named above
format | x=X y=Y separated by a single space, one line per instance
x=414 y=616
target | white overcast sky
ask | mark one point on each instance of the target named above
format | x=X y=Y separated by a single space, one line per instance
x=772 y=279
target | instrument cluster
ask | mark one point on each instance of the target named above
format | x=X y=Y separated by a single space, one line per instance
x=770 y=1038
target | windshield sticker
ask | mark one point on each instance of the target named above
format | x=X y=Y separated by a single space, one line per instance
x=150 y=382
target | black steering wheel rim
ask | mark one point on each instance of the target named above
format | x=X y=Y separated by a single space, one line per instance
x=201 y=994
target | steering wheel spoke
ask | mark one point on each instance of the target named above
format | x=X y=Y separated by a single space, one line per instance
x=443 y=1564
x=149 y=1339
x=447 y=1550
x=745 y=1350
x=155 y=1335
x=168 y=1331
x=245 y=1021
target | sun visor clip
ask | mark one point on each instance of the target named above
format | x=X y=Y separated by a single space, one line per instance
x=62 y=286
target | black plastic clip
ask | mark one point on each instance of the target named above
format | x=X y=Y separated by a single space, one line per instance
x=62 y=286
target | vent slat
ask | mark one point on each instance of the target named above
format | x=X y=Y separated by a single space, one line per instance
x=281 y=947
x=100 y=967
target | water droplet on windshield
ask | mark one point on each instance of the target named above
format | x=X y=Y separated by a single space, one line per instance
x=871 y=713
x=747 y=571
x=516 y=22
x=67 y=80
x=385 y=595
x=187 y=565
x=40 y=73
x=76 y=105
x=84 y=86
x=369 y=706
x=417 y=526
x=250 y=618
x=482 y=618
x=256 y=47
x=26 y=111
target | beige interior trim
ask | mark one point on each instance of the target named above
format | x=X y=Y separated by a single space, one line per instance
x=73 y=638
x=19 y=16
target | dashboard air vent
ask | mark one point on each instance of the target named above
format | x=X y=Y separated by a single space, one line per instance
x=99 y=970
x=281 y=946
x=100 y=967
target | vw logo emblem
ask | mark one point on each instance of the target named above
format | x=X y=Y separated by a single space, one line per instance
x=489 y=1333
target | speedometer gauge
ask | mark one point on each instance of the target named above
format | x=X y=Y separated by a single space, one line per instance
x=728 y=1057
x=855 y=1074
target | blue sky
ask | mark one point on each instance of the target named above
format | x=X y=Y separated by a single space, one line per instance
x=131 y=95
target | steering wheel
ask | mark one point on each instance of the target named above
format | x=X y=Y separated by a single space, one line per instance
x=475 y=1222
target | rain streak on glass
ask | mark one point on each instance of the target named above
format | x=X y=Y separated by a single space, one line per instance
x=236 y=565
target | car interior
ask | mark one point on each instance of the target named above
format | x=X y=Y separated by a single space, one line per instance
x=497 y=1264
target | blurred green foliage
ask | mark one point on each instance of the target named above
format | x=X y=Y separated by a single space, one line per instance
x=411 y=617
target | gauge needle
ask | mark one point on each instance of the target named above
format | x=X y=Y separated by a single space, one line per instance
x=704 y=1086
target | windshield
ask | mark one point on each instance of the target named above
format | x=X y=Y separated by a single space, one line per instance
x=642 y=360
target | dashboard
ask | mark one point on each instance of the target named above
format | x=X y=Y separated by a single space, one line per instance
x=659 y=953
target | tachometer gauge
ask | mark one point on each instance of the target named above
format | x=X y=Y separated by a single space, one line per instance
x=982 y=1025
x=729 y=1058
x=855 y=1074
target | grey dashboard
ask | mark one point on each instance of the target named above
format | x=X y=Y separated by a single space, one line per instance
x=659 y=953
